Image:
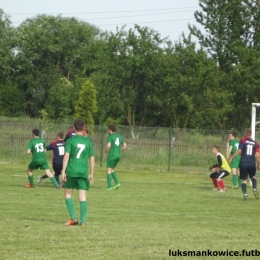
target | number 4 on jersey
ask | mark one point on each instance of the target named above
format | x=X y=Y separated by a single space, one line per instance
x=117 y=142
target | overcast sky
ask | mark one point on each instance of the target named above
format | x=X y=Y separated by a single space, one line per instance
x=168 y=17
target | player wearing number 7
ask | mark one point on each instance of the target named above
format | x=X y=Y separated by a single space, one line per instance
x=77 y=162
x=58 y=150
x=113 y=155
x=37 y=147
x=249 y=150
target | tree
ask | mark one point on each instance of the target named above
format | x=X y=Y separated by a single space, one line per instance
x=87 y=103
x=11 y=100
x=60 y=102
x=126 y=83
x=6 y=48
x=49 y=48
x=187 y=76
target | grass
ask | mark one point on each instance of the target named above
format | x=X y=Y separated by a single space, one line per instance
x=152 y=212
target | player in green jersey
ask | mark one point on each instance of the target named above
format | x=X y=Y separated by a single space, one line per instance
x=232 y=148
x=115 y=145
x=37 y=147
x=78 y=158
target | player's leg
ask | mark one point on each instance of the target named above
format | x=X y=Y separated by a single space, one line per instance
x=222 y=174
x=69 y=186
x=83 y=186
x=109 y=178
x=41 y=178
x=114 y=175
x=238 y=178
x=30 y=168
x=243 y=177
x=57 y=173
x=213 y=177
x=234 y=177
x=45 y=167
x=252 y=172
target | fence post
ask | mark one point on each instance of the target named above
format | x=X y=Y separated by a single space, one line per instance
x=102 y=145
x=170 y=148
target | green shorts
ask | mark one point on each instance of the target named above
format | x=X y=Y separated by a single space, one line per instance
x=235 y=163
x=112 y=161
x=35 y=166
x=78 y=183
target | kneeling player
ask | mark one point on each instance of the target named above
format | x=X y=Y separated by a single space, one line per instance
x=223 y=170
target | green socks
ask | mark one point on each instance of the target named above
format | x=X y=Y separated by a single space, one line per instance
x=239 y=182
x=31 y=180
x=83 y=211
x=234 y=177
x=55 y=183
x=70 y=208
x=115 y=177
x=109 y=181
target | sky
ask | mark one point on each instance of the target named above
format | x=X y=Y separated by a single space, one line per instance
x=168 y=17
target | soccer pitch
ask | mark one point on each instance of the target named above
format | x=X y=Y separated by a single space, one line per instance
x=152 y=212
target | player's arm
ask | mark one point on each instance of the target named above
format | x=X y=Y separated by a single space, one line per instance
x=64 y=166
x=124 y=146
x=229 y=151
x=49 y=147
x=107 y=149
x=257 y=156
x=28 y=151
x=234 y=155
x=91 y=169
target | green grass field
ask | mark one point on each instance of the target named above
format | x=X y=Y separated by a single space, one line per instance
x=153 y=212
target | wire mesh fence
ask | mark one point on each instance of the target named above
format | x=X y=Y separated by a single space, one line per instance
x=148 y=147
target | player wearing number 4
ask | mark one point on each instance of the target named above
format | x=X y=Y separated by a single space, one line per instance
x=78 y=154
x=37 y=147
x=58 y=149
x=249 y=150
x=113 y=155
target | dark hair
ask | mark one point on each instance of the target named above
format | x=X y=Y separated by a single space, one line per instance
x=36 y=132
x=248 y=132
x=112 y=128
x=79 y=125
x=233 y=133
x=60 y=135
x=217 y=147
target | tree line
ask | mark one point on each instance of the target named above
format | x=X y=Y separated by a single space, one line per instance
x=60 y=68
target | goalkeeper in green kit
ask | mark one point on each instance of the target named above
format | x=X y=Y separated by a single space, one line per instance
x=232 y=148
x=115 y=145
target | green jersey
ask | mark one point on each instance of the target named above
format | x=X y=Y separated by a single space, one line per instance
x=234 y=143
x=37 y=147
x=80 y=149
x=116 y=141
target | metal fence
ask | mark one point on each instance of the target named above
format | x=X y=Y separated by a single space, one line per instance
x=148 y=147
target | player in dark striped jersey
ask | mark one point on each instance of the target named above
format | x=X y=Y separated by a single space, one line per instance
x=249 y=150
x=58 y=150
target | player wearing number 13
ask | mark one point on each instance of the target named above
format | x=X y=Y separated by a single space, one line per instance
x=249 y=150
x=37 y=147
x=113 y=155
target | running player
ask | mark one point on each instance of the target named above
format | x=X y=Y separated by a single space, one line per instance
x=249 y=150
x=78 y=154
x=37 y=147
x=224 y=170
x=232 y=148
x=113 y=155
x=58 y=149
